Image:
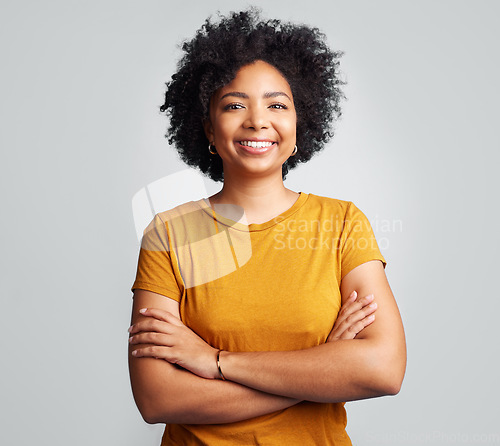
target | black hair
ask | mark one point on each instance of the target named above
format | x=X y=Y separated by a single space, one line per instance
x=213 y=57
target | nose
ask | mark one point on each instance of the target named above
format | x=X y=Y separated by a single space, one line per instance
x=256 y=119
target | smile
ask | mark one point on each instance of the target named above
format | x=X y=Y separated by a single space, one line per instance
x=256 y=147
x=256 y=144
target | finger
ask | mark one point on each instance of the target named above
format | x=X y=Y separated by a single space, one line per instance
x=349 y=301
x=360 y=314
x=351 y=331
x=354 y=304
x=151 y=338
x=366 y=299
x=351 y=313
x=369 y=309
x=357 y=328
x=161 y=315
x=351 y=307
x=352 y=297
x=151 y=324
x=154 y=352
x=368 y=320
x=352 y=319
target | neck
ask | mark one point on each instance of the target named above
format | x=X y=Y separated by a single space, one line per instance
x=259 y=197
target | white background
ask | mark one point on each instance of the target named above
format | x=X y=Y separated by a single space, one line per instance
x=416 y=150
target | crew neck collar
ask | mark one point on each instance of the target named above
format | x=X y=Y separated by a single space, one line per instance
x=204 y=204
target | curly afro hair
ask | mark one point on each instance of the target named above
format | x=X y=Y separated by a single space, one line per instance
x=213 y=57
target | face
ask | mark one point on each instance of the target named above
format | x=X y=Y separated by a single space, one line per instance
x=253 y=122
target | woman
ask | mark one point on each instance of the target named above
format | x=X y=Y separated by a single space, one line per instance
x=236 y=295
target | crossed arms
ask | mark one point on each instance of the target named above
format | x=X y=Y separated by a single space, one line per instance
x=363 y=358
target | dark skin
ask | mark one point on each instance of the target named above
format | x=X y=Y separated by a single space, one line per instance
x=254 y=133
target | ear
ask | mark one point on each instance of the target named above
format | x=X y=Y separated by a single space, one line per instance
x=209 y=130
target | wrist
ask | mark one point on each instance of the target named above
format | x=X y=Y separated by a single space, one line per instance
x=220 y=374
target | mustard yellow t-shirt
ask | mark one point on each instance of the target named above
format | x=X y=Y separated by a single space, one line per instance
x=259 y=287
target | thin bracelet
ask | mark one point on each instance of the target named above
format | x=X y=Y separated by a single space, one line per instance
x=218 y=366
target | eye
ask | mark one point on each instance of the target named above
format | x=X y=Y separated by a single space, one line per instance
x=233 y=106
x=278 y=106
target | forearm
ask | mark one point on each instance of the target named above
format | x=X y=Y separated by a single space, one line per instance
x=167 y=394
x=371 y=365
x=332 y=372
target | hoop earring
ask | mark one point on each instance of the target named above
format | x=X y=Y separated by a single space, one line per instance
x=210 y=145
x=294 y=150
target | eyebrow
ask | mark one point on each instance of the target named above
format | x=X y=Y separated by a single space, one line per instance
x=267 y=95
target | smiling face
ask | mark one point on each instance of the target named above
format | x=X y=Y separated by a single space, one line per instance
x=253 y=122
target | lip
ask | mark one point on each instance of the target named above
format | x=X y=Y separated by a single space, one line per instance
x=256 y=150
x=257 y=139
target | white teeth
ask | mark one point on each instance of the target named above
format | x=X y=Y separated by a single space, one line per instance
x=256 y=144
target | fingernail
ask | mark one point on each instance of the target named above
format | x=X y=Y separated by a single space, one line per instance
x=373 y=305
x=370 y=297
x=130 y=329
x=143 y=310
x=130 y=339
x=134 y=353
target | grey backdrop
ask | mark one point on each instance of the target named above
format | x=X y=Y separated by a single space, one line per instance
x=416 y=150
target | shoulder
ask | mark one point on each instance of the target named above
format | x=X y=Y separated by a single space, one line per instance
x=189 y=213
x=345 y=213
x=335 y=205
x=158 y=233
x=180 y=210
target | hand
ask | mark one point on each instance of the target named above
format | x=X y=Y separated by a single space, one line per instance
x=354 y=316
x=173 y=342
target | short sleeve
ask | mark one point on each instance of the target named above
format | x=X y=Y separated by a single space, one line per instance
x=155 y=268
x=358 y=243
